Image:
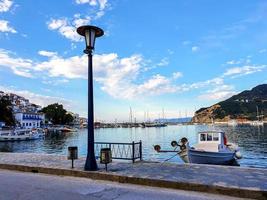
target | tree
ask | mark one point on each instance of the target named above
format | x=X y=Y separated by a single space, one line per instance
x=56 y=114
x=6 y=111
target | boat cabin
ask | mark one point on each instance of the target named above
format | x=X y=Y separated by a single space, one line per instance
x=211 y=141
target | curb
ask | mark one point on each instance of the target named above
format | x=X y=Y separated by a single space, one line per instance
x=215 y=189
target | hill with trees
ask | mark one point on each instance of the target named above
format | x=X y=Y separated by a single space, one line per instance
x=242 y=106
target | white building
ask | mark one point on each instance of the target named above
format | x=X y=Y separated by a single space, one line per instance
x=29 y=120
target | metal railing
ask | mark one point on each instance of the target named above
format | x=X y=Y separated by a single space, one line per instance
x=124 y=151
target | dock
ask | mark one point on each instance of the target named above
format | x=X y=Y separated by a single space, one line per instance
x=228 y=180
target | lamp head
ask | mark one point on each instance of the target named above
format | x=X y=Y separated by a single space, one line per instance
x=90 y=33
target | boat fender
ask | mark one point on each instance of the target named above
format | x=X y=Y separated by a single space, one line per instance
x=238 y=155
x=183 y=143
x=174 y=144
x=157 y=148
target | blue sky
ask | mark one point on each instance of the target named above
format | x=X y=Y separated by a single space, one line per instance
x=173 y=55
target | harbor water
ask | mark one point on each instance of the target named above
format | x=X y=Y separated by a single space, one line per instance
x=252 y=141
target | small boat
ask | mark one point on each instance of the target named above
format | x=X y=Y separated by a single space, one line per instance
x=150 y=124
x=212 y=148
x=21 y=135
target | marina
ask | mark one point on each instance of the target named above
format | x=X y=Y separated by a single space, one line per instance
x=252 y=141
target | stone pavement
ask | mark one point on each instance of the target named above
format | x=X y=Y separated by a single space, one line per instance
x=29 y=186
x=229 y=180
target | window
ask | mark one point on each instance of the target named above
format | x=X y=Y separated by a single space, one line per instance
x=26 y=124
x=215 y=136
x=30 y=124
x=23 y=124
x=209 y=136
x=203 y=137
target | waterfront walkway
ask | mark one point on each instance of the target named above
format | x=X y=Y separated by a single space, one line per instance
x=28 y=186
x=228 y=180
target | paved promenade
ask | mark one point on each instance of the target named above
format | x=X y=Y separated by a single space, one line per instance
x=29 y=186
x=234 y=181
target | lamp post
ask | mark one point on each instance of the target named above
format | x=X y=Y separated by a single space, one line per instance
x=90 y=33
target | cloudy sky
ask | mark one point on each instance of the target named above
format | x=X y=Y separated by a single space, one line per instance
x=173 y=55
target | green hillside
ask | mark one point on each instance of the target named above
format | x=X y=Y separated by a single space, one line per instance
x=243 y=105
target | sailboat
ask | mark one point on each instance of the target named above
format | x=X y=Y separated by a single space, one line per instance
x=258 y=122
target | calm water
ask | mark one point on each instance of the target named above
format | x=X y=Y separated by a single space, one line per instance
x=252 y=141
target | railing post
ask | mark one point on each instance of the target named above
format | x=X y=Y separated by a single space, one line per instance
x=133 y=151
x=140 y=150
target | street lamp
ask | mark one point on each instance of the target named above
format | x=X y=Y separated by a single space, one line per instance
x=90 y=33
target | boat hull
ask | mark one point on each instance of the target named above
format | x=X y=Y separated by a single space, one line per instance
x=19 y=138
x=214 y=158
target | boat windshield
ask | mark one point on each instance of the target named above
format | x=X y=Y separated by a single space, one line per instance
x=214 y=136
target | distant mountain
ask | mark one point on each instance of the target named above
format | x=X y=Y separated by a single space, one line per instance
x=174 y=120
x=242 y=106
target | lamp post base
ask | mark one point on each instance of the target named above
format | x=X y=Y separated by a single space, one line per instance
x=90 y=165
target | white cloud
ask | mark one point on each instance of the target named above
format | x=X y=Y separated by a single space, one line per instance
x=42 y=100
x=263 y=51
x=177 y=75
x=19 y=66
x=91 y=2
x=5 y=5
x=57 y=23
x=233 y=62
x=245 y=70
x=81 y=21
x=101 y=3
x=67 y=28
x=220 y=92
x=72 y=67
x=186 y=42
x=64 y=28
x=212 y=82
x=55 y=82
x=116 y=75
x=4 y=27
x=163 y=62
x=47 y=53
x=195 y=48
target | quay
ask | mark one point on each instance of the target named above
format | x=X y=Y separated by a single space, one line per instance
x=226 y=180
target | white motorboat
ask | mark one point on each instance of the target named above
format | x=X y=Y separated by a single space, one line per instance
x=212 y=148
x=21 y=135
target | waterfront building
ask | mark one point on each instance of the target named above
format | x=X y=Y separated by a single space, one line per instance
x=29 y=120
x=76 y=118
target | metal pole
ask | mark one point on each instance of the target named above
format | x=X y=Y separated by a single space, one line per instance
x=133 y=151
x=140 y=149
x=90 y=164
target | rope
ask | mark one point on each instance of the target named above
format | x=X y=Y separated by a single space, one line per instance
x=170 y=157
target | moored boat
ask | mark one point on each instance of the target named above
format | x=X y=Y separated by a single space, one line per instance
x=20 y=135
x=212 y=148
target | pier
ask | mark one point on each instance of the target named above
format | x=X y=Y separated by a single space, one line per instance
x=227 y=180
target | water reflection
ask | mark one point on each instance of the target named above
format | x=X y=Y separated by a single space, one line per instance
x=252 y=141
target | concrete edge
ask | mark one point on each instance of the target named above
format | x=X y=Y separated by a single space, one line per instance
x=236 y=192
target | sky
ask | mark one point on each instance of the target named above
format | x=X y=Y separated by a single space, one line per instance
x=170 y=57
